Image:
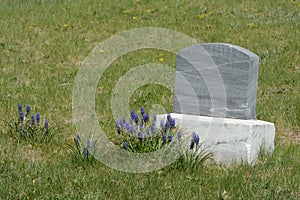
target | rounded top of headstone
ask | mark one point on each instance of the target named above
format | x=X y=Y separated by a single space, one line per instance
x=221 y=49
x=216 y=79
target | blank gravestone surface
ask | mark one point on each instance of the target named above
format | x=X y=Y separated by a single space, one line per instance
x=217 y=80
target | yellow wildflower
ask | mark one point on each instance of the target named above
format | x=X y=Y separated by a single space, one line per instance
x=138 y=1
x=101 y=51
x=252 y=25
x=161 y=59
x=134 y=17
x=91 y=22
x=66 y=25
x=148 y=11
x=202 y=16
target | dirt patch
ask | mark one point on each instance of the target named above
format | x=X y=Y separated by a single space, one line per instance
x=288 y=136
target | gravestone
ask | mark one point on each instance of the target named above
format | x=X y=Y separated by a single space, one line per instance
x=214 y=66
x=215 y=96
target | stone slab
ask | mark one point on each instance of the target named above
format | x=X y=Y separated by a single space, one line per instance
x=229 y=140
x=217 y=80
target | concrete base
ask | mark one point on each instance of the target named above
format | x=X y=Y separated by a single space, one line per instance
x=229 y=140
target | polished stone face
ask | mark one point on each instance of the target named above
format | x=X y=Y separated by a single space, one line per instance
x=218 y=80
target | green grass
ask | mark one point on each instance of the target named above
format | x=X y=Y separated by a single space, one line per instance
x=42 y=44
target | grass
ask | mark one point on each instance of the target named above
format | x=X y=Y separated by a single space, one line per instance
x=42 y=44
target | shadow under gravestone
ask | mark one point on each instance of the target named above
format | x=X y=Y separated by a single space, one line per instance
x=215 y=96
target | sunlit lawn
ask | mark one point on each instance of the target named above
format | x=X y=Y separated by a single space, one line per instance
x=43 y=43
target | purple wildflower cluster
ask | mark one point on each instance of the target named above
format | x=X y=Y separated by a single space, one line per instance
x=88 y=149
x=28 y=123
x=141 y=127
x=137 y=125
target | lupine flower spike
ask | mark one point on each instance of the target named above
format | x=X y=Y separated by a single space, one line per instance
x=46 y=126
x=162 y=123
x=179 y=135
x=20 y=107
x=21 y=116
x=140 y=135
x=153 y=129
x=164 y=138
x=170 y=138
x=142 y=110
x=125 y=145
x=32 y=120
x=118 y=127
x=38 y=117
x=136 y=118
x=145 y=117
x=85 y=152
x=27 y=110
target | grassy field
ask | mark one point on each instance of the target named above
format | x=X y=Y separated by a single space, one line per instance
x=43 y=43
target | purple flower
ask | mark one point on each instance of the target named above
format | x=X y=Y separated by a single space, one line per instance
x=164 y=138
x=194 y=136
x=132 y=129
x=153 y=129
x=122 y=120
x=142 y=110
x=21 y=115
x=192 y=144
x=78 y=138
x=126 y=126
x=132 y=113
x=32 y=120
x=118 y=127
x=172 y=123
x=136 y=118
x=140 y=135
x=170 y=138
x=147 y=131
x=195 y=140
x=27 y=110
x=46 y=126
x=167 y=125
x=162 y=123
x=117 y=124
x=85 y=152
x=145 y=117
x=169 y=117
x=154 y=117
x=20 y=107
x=38 y=117
x=179 y=135
x=125 y=145
x=141 y=127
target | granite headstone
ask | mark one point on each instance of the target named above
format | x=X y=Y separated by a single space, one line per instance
x=216 y=80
